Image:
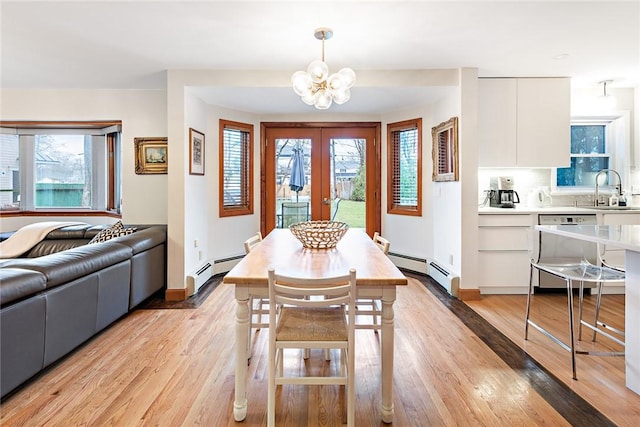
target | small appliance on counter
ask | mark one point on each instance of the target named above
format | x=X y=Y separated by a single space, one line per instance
x=540 y=197
x=501 y=193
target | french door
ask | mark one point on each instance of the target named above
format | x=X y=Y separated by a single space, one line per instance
x=327 y=171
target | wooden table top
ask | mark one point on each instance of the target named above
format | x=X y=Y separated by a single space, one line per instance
x=281 y=251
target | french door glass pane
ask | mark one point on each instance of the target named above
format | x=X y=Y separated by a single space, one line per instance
x=348 y=181
x=293 y=197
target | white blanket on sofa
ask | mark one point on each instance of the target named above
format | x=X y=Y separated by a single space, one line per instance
x=29 y=236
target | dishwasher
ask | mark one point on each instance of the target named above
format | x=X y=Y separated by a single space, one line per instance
x=555 y=248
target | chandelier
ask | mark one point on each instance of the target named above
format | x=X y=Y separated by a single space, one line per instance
x=316 y=87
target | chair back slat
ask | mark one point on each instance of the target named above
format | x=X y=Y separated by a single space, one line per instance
x=252 y=242
x=381 y=243
x=317 y=292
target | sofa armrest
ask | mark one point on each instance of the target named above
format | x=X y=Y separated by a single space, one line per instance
x=18 y=283
x=143 y=240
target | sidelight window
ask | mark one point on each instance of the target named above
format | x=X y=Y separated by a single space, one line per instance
x=404 y=141
x=236 y=168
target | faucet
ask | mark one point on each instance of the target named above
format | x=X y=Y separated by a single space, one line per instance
x=597 y=191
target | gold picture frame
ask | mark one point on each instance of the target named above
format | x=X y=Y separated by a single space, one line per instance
x=196 y=152
x=445 y=151
x=152 y=155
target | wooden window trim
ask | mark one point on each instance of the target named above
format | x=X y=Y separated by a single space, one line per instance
x=393 y=165
x=246 y=208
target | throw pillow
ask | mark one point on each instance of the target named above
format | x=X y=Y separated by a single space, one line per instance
x=115 y=230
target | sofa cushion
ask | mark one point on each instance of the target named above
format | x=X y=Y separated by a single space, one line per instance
x=68 y=265
x=113 y=231
x=17 y=283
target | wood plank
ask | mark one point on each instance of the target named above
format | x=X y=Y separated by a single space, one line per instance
x=600 y=379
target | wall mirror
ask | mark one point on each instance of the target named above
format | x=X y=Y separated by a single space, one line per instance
x=445 y=150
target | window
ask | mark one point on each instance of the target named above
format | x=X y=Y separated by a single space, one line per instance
x=404 y=141
x=236 y=168
x=588 y=156
x=596 y=143
x=60 y=166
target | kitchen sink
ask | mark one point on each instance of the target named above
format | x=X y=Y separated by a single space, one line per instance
x=614 y=208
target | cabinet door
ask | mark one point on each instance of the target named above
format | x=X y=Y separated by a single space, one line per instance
x=503 y=272
x=544 y=122
x=497 y=122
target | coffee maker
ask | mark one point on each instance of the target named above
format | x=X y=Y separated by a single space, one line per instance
x=501 y=193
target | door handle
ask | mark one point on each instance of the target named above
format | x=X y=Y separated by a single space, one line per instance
x=326 y=201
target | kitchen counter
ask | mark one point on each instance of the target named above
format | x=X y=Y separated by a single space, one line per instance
x=621 y=236
x=525 y=210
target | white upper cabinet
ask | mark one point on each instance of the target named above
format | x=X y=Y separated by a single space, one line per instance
x=524 y=122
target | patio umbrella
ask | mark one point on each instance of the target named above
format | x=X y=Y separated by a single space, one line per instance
x=296 y=182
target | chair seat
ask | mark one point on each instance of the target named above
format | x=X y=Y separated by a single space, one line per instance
x=312 y=324
x=583 y=271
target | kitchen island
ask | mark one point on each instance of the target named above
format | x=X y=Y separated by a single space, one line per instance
x=626 y=237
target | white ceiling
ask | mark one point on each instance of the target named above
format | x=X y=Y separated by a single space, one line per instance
x=130 y=44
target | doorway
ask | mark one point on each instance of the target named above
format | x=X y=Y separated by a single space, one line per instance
x=320 y=171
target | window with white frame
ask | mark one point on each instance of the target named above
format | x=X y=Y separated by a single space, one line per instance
x=596 y=143
x=60 y=166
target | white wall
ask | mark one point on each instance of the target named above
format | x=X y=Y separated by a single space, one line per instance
x=410 y=235
x=447 y=204
x=143 y=113
x=224 y=236
x=189 y=203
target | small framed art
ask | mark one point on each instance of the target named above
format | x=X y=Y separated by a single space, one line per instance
x=196 y=152
x=151 y=155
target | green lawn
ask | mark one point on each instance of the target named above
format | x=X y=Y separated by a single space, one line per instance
x=353 y=213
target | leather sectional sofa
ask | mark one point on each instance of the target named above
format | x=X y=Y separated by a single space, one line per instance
x=63 y=291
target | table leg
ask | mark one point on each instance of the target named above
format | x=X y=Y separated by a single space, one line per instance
x=242 y=336
x=387 y=321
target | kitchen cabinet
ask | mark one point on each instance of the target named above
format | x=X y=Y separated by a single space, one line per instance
x=503 y=253
x=524 y=122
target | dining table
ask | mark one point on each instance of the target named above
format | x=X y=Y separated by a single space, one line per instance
x=376 y=277
x=625 y=237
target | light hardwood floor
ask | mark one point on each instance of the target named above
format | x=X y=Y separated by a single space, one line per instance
x=175 y=367
x=600 y=379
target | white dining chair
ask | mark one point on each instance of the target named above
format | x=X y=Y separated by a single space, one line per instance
x=370 y=306
x=314 y=314
x=571 y=271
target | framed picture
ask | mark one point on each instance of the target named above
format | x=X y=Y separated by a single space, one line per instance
x=445 y=150
x=196 y=152
x=151 y=155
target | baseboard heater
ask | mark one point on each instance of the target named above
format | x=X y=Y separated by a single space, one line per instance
x=444 y=277
x=409 y=262
x=198 y=278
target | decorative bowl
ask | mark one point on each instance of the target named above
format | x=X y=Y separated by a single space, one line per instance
x=319 y=234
